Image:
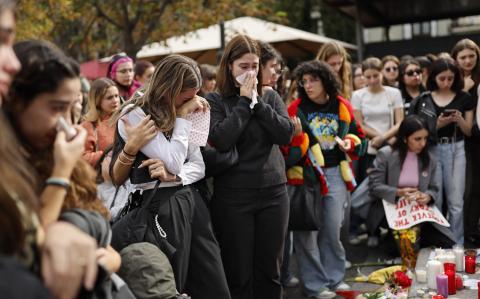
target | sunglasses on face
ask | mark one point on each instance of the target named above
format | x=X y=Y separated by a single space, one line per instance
x=412 y=73
x=391 y=69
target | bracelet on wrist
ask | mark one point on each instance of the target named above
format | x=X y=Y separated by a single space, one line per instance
x=127 y=162
x=123 y=155
x=128 y=154
x=57 y=181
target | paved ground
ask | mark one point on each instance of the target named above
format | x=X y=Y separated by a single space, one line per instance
x=357 y=255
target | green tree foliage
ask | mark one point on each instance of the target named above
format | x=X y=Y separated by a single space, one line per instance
x=337 y=25
x=89 y=29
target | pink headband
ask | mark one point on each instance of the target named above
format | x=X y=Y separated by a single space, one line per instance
x=115 y=65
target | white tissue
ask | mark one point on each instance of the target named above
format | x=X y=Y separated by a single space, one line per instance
x=241 y=79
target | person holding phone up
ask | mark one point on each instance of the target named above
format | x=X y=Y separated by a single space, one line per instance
x=449 y=114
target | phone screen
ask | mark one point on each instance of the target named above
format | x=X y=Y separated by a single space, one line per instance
x=448 y=112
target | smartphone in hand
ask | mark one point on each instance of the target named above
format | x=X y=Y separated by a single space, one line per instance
x=449 y=112
x=62 y=125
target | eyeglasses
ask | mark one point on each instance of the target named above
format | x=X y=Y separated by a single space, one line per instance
x=125 y=71
x=412 y=73
x=391 y=69
x=303 y=82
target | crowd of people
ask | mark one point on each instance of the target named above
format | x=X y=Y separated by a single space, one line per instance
x=104 y=193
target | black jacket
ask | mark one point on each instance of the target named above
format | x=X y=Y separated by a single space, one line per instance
x=256 y=134
x=424 y=107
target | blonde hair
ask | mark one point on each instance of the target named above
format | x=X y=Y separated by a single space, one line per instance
x=329 y=49
x=96 y=94
x=173 y=75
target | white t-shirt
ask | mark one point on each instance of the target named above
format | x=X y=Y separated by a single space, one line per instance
x=378 y=108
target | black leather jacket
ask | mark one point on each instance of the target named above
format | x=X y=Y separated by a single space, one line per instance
x=424 y=107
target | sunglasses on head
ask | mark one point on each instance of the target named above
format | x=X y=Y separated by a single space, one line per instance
x=412 y=73
x=391 y=69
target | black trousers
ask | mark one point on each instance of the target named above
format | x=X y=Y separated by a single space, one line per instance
x=206 y=276
x=251 y=226
x=197 y=262
x=429 y=236
x=471 y=205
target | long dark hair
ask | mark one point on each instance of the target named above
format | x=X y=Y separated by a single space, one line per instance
x=267 y=52
x=410 y=125
x=441 y=65
x=238 y=46
x=320 y=70
x=44 y=68
x=401 y=73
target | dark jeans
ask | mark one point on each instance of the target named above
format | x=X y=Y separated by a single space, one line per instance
x=251 y=226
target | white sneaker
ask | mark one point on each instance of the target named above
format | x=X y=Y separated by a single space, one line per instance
x=292 y=282
x=355 y=240
x=348 y=264
x=342 y=287
x=326 y=294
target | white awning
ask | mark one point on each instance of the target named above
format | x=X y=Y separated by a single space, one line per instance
x=197 y=42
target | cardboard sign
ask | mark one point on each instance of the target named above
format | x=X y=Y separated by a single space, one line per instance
x=403 y=214
x=200 y=128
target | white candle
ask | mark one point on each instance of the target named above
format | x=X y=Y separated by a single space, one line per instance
x=439 y=251
x=450 y=258
x=421 y=275
x=459 y=258
x=442 y=258
x=433 y=269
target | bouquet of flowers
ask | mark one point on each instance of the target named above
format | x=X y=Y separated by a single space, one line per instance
x=396 y=287
x=408 y=242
